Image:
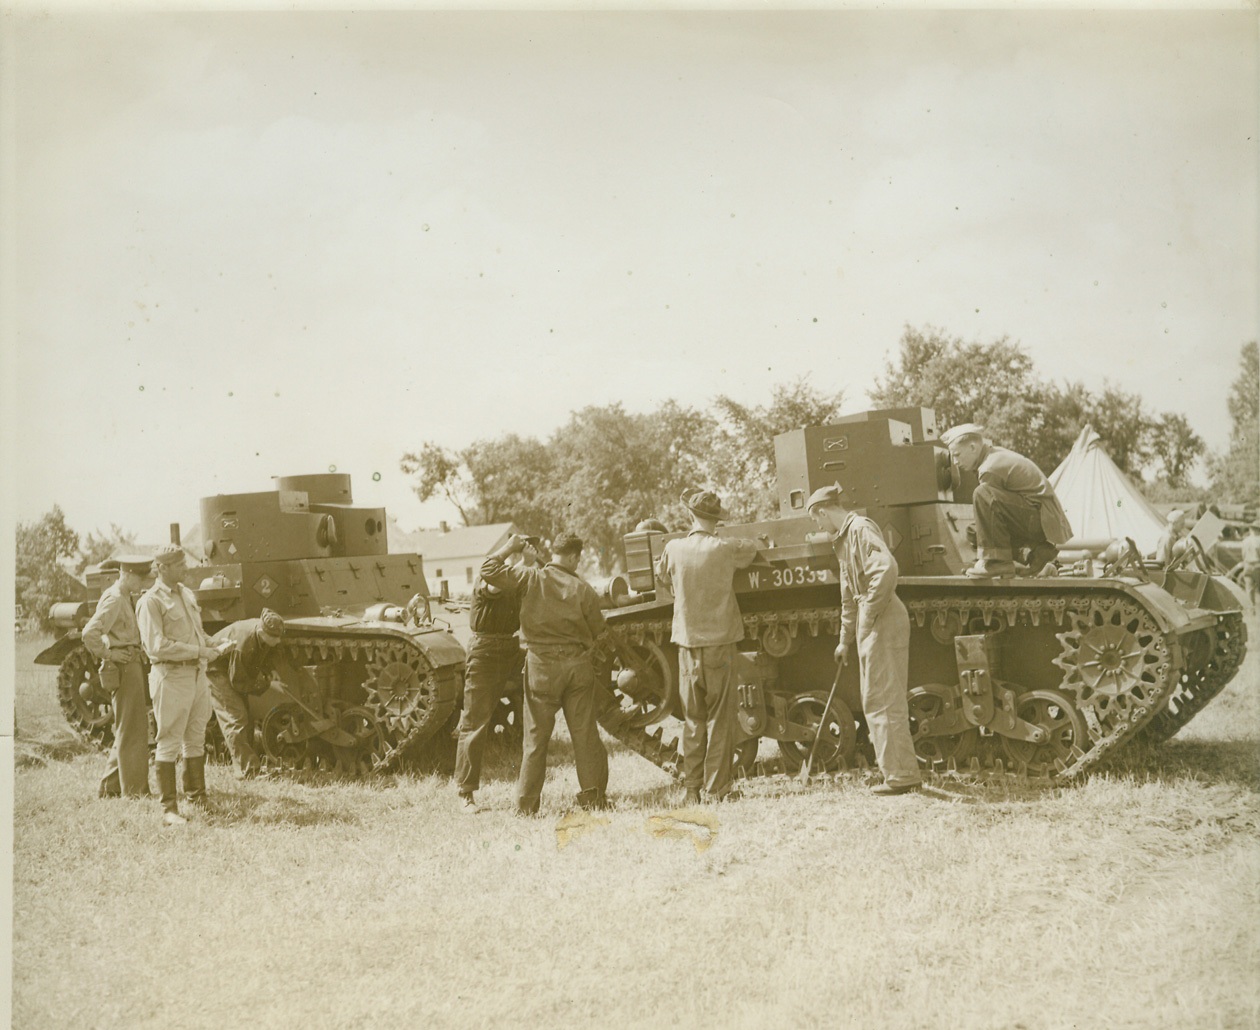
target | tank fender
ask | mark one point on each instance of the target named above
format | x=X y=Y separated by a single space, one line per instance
x=55 y=653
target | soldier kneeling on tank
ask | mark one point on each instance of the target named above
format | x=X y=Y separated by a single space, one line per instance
x=243 y=671
x=1015 y=505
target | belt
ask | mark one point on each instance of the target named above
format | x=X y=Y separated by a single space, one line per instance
x=494 y=636
x=190 y=661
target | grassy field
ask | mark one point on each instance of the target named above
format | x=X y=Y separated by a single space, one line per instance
x=1130 y=900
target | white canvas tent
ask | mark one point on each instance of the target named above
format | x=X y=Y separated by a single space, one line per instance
x=1100 y=501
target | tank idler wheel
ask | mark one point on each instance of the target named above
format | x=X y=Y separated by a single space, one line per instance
x=84 y=702
x=931 y=701
x=647 y=687
x=837 y=741
x=1065 y=729
x=278 y=726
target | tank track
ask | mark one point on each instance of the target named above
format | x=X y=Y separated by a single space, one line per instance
x=400 y=709
x=1200 y=684
x=1141 y=664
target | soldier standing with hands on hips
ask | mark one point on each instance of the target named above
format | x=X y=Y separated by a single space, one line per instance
x=699 y=569
x=872 y=615
x=178 y=649
x=112 y=636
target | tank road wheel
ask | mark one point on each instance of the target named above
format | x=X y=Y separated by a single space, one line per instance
x=1115 y=661
x=401 y=693
x=1053 y=712
x=506 y=722
x=745 y=757
x=84 y=702
x=647 y=689
x=931 y=701
x=369 y=740
x=278 y=728
x=837 y=740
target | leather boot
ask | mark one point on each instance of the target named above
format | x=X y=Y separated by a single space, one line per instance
x=195 y=780
x=166 y=790
x=592 y=798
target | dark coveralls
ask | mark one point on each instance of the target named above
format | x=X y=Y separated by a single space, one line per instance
x=494 y=662
x=1015 y=507
x=122 y=676
x=235 y=677
x=560 y=622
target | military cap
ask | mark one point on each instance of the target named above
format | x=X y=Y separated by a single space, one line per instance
x=271 y=623
x=138 y=563
x=169 y=554
x=958 y=432
x=825 y=495
x=705 y=503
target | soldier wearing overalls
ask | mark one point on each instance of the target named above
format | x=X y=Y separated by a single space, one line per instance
x=872 y=615
x=178 y=649
x=112 y=636
x=239 y=673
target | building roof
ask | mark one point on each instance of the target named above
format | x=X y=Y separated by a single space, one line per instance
x=1101 y=501
x=435 y=545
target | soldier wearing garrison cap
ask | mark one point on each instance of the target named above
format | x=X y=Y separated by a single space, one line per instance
x=249 y=655
x=112 y=637
x=873 y=617
x=699 y=569
x=1015 y=505
x=178 y=648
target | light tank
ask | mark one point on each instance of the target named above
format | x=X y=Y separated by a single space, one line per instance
x=366 y=674
x=1043 y=676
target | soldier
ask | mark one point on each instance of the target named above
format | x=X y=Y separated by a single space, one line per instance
x=872 y=614
x=699 y=570
x=178 y=649
x=495 y=660
x=1251 y=562
x=239 y=673
x=1015 y=505
x=1166 y=549
x=112 y=636
x=560 y=624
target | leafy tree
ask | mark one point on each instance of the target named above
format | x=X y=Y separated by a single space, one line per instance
x=96 y=548
x=40 y=577
x=439 y=472
x=739 y=453
x=1177 y=447
x=1236 y=474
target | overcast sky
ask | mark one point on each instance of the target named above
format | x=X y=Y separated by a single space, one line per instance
x=243 y=245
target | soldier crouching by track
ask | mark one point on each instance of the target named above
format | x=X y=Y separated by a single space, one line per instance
x=240 y=672
x=699 y=570
x=872 y=613
x=112 y=637
x=1015 y=505
x=560 y=624
x=494 y=660
x=178 y=649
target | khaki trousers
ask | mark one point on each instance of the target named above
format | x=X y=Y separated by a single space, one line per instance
x=883 y=647
x=181 y=705
x=706 y=686
x=493 y=670
x=127 y=770
x=552 y=684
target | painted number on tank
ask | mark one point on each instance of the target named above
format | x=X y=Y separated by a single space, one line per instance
x=789 y=576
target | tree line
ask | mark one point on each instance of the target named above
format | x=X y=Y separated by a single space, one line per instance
x=607 y=468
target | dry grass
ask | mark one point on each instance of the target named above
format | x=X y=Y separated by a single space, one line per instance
x=1128 y=901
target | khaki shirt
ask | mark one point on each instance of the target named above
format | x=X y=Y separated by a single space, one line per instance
x=699 y=569
x=1251 y=549
x=170 y=624
x=868 y=575
x=1010 y=471
x=558 y=607
x=113 y=625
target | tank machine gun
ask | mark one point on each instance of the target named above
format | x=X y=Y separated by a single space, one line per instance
x=365 y=673
x=1044 y=675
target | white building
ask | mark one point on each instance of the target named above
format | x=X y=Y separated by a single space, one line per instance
x=451 y=556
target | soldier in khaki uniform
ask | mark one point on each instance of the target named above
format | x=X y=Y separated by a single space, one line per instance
x=178 y=649
x=1015 y=505
x=112 y=636
x=561 y=623
x=699 y=570
x=872 y=615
